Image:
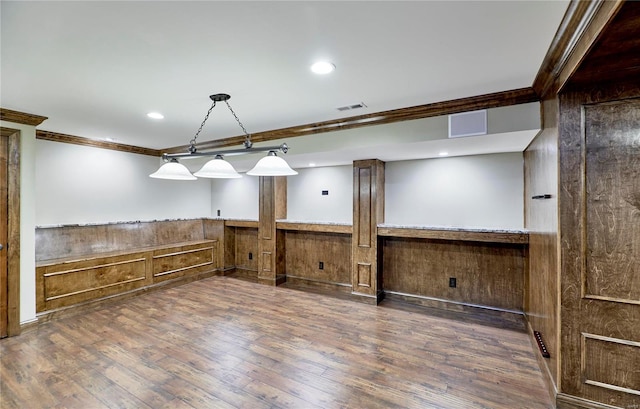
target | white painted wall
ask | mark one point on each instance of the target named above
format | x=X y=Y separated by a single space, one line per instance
x=78 y=184
x=305 y=201
x=235 y=198
x=27 y=220
x=467 y=191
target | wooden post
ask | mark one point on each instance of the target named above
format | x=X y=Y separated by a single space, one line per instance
x=368 y=211
x=273 y=205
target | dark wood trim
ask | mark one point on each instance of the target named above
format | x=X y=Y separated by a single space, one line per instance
x=564 y=401
x=7 y=132
x=314 y=227
x=21 y=117
x=435 y=234
x=493 y=100
x=241 y=223
x=515 y=317
x=13 y=250
x=77 y=140
x=581 y=26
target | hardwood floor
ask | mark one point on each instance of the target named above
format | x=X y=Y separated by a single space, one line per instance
x=227 y=343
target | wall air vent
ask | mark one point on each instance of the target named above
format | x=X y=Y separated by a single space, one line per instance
x=468 y=124
x=354 y=106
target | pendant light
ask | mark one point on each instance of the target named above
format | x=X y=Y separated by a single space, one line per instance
x=271 y=165
x=218 y=168
x=173 y=170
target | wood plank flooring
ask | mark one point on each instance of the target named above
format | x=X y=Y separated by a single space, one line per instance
x=227 y=343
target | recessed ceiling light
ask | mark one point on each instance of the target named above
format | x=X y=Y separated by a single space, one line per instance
x=155 y=115
x=323 y=67
x=444 y=154
x=312 y=165
x=109 y=139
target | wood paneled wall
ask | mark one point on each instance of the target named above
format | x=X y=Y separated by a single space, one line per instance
x=306 y=250
x=214 y=230
x=489 y=274
x=76 y=264
x=245 y=253
x=541 y=219
x=65 y=283
x=599 y=154
x=272 y=206
x=368 y=212
x=72 y=241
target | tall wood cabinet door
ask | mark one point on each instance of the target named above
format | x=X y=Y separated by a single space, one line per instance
x=601 y=270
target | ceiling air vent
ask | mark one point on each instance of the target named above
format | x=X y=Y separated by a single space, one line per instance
x=468 y=124
x=350 y=107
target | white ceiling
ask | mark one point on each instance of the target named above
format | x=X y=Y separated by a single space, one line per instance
x=96 y=68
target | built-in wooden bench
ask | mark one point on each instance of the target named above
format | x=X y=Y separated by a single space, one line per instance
x=76 y=264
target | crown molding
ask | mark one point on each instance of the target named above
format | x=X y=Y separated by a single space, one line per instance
x=21 y=117
x=494 y=100
x=580 y=28
x=77 y=140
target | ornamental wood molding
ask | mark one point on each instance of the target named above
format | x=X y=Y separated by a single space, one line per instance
x=580 y=28
x=21 y=117
x=486 y=101
x=77 y=140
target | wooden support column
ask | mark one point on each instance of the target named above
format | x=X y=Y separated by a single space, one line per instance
x=273 y=205
x=368 y=211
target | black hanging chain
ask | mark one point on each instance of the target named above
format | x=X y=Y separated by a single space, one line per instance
x=247 y=137
x=192 y=142
x=247 y=140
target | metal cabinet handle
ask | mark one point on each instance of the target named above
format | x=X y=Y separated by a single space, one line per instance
x=1 y=246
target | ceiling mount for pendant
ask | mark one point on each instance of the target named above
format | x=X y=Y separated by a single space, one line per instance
x=271 y=165
x=220 y=97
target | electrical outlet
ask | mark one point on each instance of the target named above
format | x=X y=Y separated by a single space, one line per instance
x=250 y=256
x=325 y=193
x=321 y=265
x=452 y=282
x=218 y=212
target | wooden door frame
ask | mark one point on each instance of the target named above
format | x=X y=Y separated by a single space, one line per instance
x=13 y=231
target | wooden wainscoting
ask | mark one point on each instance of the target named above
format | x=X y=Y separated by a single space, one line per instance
x=70 y=281
x=542 y=280
x=73 y=241
x=170 y=263
x=305 y=250
x=487 y=274
x=241 y=248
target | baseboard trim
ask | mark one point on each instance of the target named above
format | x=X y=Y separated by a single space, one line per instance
x=28 y=325
x=366 y=298
x=564 y=401
x=456 y=306
x=310 y=282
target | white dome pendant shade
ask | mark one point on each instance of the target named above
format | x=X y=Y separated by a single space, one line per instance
x=218 y=168
x=173 y=170
x=271 y=165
